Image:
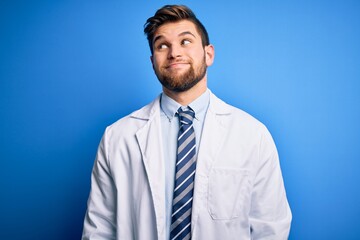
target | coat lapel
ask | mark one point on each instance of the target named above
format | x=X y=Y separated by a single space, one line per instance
x=150 y=143
x=213 y=135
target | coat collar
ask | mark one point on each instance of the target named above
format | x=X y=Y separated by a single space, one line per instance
x=149 y=111
x=219 y=107
x=216 y=106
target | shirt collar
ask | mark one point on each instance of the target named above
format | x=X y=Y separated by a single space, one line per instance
x=200 y=105
x=169 y=106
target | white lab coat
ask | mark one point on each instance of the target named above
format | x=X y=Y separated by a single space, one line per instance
x=239 y=191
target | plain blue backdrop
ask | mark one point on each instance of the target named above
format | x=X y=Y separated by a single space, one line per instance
x=70 y=68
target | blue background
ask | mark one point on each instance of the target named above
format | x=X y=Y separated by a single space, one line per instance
x=70 y=68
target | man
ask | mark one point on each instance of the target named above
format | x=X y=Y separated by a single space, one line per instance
x=187 y=165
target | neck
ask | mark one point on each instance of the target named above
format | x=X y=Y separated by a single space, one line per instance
x=186 y=97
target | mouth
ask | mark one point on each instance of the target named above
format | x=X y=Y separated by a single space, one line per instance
x=177 y=65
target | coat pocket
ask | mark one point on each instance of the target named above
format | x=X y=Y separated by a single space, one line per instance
x=228 y=193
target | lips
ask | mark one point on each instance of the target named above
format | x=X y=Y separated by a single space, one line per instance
x=177 y=65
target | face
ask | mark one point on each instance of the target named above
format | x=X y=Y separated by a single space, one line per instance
x=179 y=59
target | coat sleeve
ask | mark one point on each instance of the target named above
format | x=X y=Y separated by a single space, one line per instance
x=100 y=218
x=270 y=214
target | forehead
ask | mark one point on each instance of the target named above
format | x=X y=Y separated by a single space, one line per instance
x=174 y=29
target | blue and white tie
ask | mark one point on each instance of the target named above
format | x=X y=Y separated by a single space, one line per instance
x=184 y=177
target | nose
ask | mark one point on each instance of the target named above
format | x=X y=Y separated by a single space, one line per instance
x=175 y=51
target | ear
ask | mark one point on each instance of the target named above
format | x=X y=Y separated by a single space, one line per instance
x=209 y=54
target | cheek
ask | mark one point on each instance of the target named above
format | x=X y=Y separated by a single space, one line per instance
x=199 y=57
x=157 y=60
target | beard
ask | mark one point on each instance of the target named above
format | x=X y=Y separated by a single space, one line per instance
x=181 y=82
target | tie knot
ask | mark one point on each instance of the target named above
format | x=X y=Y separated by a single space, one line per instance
x=186 y=116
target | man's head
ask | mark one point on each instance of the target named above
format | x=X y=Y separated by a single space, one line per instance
x=180 y=48
x=171 y=14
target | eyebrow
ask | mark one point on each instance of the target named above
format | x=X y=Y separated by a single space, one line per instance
x=179 y=35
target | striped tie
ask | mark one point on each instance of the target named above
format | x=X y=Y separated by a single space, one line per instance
x=184 y=177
